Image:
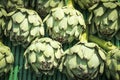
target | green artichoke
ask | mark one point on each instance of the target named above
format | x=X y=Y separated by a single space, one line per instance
x=23 y=26
x=43 y=55
x=3 y=14
x=43 y=7
x=113 y=64
x=65 y=24
x=83 y=61
x=104 y=19
x=6 y=59
x=85 y=4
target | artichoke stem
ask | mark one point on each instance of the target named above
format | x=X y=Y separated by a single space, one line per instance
x=69 y=3
x=107 y=45
x=84 y=37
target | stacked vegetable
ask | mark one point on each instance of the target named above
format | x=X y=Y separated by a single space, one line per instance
x=57 y=34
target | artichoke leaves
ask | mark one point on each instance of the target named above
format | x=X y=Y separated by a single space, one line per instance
x=23 y=26
x=64 y=24
x=83 y=61
x=6 y=59
x=3 y=15
x=104 y=20
x=43 y=55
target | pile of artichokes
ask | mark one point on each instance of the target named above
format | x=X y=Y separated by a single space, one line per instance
x=63 y=35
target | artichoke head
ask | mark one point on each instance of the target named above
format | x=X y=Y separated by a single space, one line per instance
x=43 y=55
x=83 y=61
x=104 y=20
x=6 y=59
x=113 y=64
x=86 y=4
x=65 y=24
x=23 y=26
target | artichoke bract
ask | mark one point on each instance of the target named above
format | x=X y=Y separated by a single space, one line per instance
x=6 y=59
x=104 y=19
x=85 y=4
x=43 y=7
x=43 y=55
x=83 y=61
x=11 y=5
x=65 y=24
x=23 y=26
x=3 y=14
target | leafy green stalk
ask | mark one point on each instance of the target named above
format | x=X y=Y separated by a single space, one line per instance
x=107 y=45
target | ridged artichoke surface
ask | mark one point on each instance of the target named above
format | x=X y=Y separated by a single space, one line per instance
x=113 y=65
x=83 y=61
x=3 y=14
x=104 y=19
x=11 y=5
x=43 y=7
x=43 y=55
x=6 y=59
x=23 y=26
x=85 y=4
x=65 y=24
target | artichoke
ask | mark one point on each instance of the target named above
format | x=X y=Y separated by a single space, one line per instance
x=3 y=14
x=43 y=55
x=85 y=4
x=112 y=63
x=65 y=24
x=104 y=19
x=43 y=7
x=23 y=26
x=83 y=61
x=6 y=59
